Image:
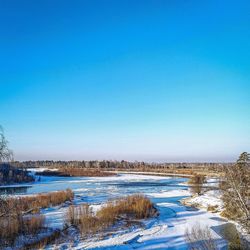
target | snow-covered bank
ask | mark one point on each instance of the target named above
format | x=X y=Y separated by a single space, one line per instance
x=211 y=201
x=165 y=232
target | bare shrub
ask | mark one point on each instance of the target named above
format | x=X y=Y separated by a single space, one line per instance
x=200 y=238
x=5 y=153
x=197 y=182
x=197 y=179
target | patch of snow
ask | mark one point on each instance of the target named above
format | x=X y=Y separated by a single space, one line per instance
x=172 y=193
x=55 y=217
x=41 y=169
x=212 y=182
x=210 y=198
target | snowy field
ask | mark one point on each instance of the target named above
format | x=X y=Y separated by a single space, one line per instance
x=164 y=232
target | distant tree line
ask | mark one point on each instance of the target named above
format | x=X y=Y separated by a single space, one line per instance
x=120 y=165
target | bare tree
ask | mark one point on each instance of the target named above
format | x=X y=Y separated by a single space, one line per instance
x=236 y=193
x=5 y=153
x=196 y=183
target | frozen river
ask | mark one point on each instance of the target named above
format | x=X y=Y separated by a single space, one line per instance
x=99 y=189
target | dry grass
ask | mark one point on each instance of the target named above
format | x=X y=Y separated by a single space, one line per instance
x=130 y=207
x=14 y=225
x=84 y=219
x=36 y=202
x=33 y=224
x=137 y=206
x=14 y=218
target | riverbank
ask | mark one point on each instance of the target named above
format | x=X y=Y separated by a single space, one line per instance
x=211 y=201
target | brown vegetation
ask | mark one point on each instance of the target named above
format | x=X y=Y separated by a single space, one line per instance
x=15 y=219
x=85 y=172
x=212 y=209
x=130 y=207
x=67 y=172
x=197 y=179
x=137 y=206
x=15 y=224
x=84 y=219
x=35 y=202
x=40 y=243
x=197 y=182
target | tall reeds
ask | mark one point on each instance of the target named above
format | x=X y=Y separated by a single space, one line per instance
x=20 y=215
x=130 y=207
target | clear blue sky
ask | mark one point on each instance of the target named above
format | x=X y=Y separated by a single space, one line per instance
x=146 y=80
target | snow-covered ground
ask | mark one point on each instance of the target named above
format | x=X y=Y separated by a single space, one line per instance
x=164 y=232
x=210 y=199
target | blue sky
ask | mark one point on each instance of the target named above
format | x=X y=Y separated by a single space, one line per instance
x=134 y=80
